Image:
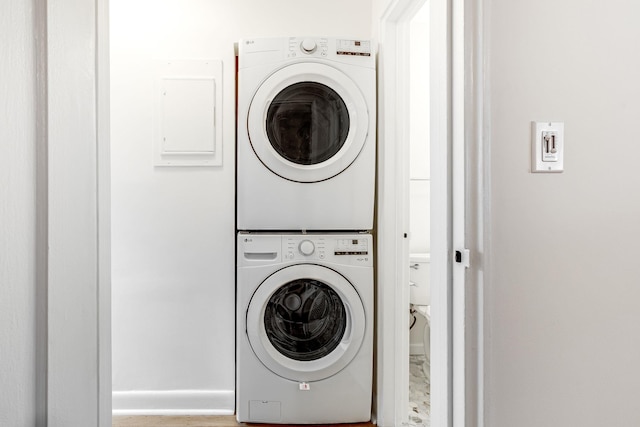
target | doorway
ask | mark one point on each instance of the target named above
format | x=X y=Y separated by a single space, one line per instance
x=94 y=299
x=446 y=211
x=419 y=220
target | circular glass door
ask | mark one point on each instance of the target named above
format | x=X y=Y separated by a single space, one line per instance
x=307 y=122
x=305 y=319
x=305 y=322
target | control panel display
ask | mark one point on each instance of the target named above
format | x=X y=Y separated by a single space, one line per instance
x=351 y=247
x=353 y=47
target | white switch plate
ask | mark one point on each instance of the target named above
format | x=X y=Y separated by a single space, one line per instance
x=547 y=147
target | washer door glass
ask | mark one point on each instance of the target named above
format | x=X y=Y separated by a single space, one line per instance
x=307 y=123
x=305 y=319
x=305 y=322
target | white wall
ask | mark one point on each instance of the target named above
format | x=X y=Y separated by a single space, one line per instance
x=562 y=327
x=173 y=228
x=17 y=215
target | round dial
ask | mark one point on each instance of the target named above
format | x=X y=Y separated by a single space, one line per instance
x=306 y=247
x=308 y=45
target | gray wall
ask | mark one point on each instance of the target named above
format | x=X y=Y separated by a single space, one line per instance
x=17 y=214
x=563 y=324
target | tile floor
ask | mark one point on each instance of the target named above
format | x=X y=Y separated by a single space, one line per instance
x=419 y=393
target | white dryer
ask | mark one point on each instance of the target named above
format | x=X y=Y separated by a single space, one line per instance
x=306 y=134
x=304 y=328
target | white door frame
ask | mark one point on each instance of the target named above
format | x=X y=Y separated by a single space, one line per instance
x=393 y=221
x=75 y=338
x=455 y=390
x=103 y=107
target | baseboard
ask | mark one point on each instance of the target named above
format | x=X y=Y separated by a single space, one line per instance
x=174 y=402
x=416 y=348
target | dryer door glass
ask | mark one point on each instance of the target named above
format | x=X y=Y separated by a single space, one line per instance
x=305 y=319
x=307 y=123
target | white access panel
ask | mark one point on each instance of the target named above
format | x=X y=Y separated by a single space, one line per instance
x=188 y=113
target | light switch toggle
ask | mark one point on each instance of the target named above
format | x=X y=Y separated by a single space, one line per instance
x=549 y=146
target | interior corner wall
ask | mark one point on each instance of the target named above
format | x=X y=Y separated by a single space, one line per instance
x=561 y=306
x=17 y=215
x=173 y=232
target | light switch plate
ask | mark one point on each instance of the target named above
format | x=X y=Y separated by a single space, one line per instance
x=547 y=147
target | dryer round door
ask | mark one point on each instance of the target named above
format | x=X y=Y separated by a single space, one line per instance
x=305 y=322
x=308 y=122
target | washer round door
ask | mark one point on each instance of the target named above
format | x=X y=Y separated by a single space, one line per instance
x=308 y=122
x=305 y=322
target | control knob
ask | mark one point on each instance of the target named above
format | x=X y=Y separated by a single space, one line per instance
x=308 y=45
x=306 y=247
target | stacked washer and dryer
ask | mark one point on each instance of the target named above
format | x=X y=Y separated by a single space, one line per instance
x=305 y=202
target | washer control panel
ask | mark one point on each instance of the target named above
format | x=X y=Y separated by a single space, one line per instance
x=336 y=248
x=343 y=249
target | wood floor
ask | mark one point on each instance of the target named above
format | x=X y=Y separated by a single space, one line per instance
x=195 y=421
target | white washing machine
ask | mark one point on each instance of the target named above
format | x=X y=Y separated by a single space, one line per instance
x=306 y=134
x=304 y=328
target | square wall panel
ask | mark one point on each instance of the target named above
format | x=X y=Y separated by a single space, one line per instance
x=188 y=113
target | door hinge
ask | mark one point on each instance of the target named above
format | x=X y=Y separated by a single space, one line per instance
x=462 y=257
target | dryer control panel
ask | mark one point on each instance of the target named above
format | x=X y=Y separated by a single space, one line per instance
x=300 y=47
x=260 y=51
